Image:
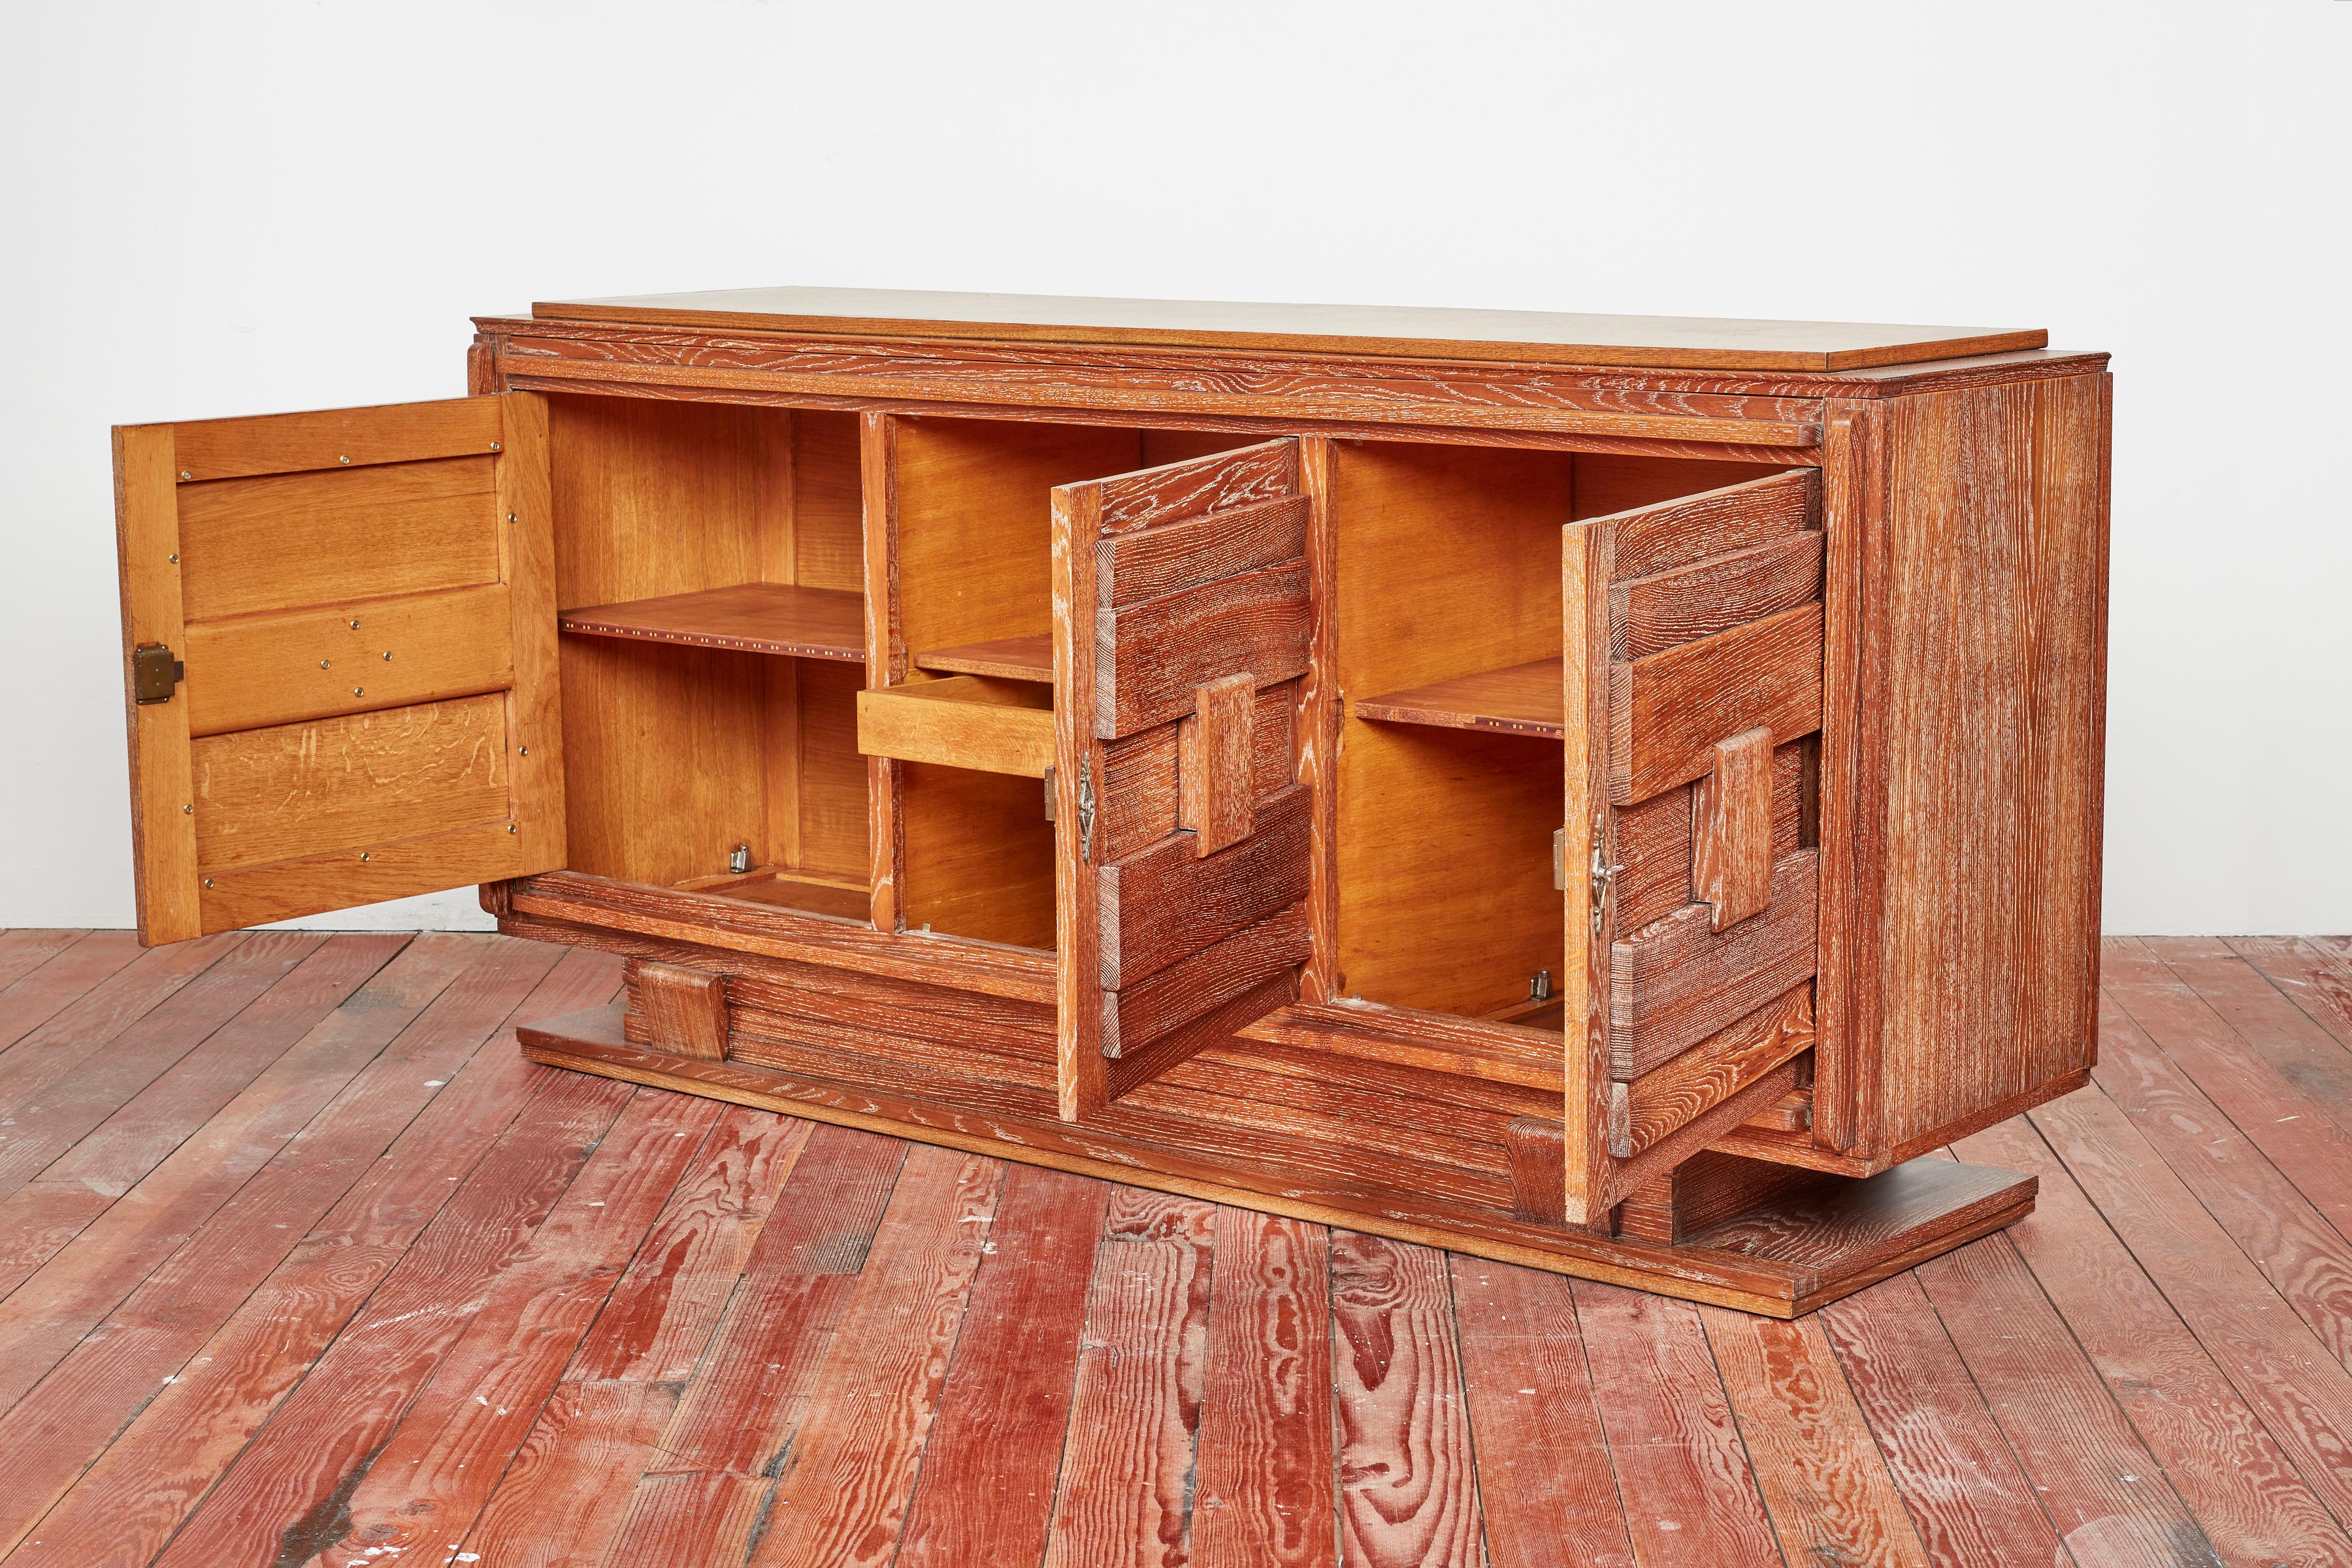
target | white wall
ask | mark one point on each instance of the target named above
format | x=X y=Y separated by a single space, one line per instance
x=241 y=208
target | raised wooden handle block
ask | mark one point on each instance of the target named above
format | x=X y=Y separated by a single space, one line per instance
x=1731 y=846
x=1217 y=799
x=685 y=1010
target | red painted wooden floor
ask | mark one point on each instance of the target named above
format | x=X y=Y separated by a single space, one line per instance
x=299 y=1262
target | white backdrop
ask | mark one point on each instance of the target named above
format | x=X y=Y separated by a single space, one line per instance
x=244 y=207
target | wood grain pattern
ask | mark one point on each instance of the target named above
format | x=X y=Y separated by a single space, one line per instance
x=1408 y=1488
x=1689 y=1494
x=162 y=788
x=254 y=546
x=1153 y=562
x=1765 y=420
x=345 y=782
x=1672 y=527
x=2077 y=1391
x=430 y=1481
x=1261 y=1477
x=2229 y=1470
x=1732 y=850
x=1544 y=1483
x=337 y=1240
x=1968 y=1500
x=1166 y=903
x=1675 y=982
x=356 y=437
x=1986 y=684
x=841 y=1496
x=750 y=618
x=1667 y=711
x=250 y=673
x=1137 y=1390
x=2073 y=1444
x=685 y=1010
x=1824 y=1481
x=1142 y=1011
x=990 y=1466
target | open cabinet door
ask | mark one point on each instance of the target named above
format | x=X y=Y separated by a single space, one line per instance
x=1693 y=676
x=1181 y=624
x=341 y=635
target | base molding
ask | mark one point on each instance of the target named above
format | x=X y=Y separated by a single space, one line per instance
x=1801 y=1245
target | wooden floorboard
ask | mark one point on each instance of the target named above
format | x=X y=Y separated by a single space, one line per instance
x=300 y=1263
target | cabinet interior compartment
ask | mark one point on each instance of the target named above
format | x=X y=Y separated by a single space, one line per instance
x=974 y=549
x=1447 y=565
x=709 y=564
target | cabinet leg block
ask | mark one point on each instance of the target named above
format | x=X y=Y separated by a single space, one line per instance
x=1804 y=1241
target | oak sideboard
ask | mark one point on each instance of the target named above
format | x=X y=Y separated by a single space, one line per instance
x=1614 y=794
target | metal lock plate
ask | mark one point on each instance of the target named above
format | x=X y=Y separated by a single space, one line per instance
x=155 y=673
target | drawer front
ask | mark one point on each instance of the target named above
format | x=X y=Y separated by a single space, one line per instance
x=966 y=721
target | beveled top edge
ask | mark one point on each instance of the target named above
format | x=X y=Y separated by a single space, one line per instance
x=1665 y=342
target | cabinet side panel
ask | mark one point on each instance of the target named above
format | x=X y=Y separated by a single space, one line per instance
x=1993 y=692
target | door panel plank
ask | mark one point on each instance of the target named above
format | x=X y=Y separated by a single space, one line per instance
x=1149 y=657
x=1669 y=534
x=1155 y=561
x=1651 y=615
x=253 y=546
x=1675 y=983
x=335 y=437
x=355 y=658
x=1667 y=711
x=1167 y=902
x=337 y=784
x=1667 y=1097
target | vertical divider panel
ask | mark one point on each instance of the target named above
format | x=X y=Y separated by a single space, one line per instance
x=1315 y=727
x=526 y=507
x=1079 y=1074
x=885 y=656
x=1590 y=852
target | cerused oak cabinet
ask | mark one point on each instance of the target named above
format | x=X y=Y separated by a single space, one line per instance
x=1605 y=794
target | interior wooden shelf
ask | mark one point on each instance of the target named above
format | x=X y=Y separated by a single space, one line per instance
x=1524 y=699
x=753 y=617
x=788 y=889
x=1012 y=658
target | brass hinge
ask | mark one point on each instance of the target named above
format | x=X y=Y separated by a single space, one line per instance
x=155 y=673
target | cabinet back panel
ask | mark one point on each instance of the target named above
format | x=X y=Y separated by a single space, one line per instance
x=828 y=519
x=831 y=818
x=975 y=527
x=1609 y=482
x=979 y=855
x=1447 y=903
x=666 y=765
x=655 y=498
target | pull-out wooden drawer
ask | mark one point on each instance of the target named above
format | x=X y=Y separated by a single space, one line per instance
x=975 y=722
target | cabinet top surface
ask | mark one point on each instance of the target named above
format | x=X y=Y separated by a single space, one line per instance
x=1660 y=342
